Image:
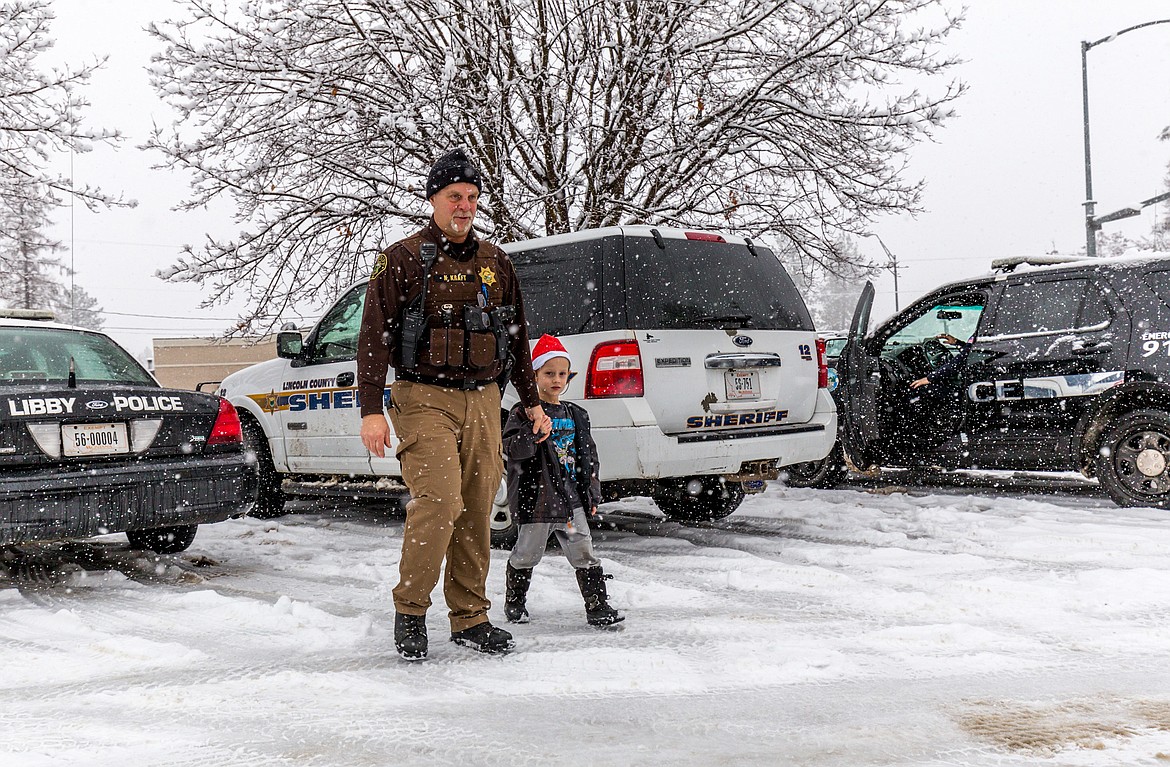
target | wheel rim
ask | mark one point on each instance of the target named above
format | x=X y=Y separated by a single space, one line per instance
x=1141 y=460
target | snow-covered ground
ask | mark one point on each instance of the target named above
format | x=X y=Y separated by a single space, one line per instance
x=857 y=626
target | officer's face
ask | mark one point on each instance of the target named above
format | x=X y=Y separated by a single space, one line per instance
x=454 y=207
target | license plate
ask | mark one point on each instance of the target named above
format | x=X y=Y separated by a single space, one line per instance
x=743 y=385
x=80 y=439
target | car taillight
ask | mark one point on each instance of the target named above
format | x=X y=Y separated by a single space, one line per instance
x=822 y=365
x=615 y=370
x=227 y=427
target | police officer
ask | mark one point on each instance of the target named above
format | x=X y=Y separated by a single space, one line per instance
x=949 y=368
x=444 y=309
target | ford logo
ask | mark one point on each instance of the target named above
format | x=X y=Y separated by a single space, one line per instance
x=97 y=404
x=742 y=341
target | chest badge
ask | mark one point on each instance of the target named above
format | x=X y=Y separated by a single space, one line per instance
x=487 y=276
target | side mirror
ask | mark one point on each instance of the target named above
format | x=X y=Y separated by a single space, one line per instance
x=289 y=344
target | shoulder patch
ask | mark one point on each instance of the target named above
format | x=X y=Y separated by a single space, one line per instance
x=379 y=266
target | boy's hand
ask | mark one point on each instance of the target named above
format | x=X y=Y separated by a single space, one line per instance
x=541 y=423
x=594 y=512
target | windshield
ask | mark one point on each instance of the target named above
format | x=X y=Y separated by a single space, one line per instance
x=43 y=354
x=833 y=346
x=959 y=321
x=701 y=284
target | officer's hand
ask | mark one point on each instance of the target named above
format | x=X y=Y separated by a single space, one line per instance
x=376 y=434
x=594 y=512
x=948 y=338
x=919 y=382
x=541 y=423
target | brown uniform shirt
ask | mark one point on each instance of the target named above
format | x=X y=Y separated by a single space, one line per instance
x=459 y=274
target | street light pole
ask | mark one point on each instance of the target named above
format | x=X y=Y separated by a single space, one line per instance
x=1092 y=223
x=1090 y=203
x=893 y=267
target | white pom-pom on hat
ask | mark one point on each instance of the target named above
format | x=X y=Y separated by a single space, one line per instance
x=547 y=348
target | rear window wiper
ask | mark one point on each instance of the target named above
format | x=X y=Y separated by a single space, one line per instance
x=744 y=320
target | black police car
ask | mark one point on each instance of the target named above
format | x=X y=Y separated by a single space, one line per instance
x=91 y=444
x=1067 y=370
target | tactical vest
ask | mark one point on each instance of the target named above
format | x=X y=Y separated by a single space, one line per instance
x=465 y=331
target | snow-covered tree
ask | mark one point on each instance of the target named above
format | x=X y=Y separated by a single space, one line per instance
x=40 y=111
x=787 y=120
x=30 y=272
x=1114 y=244
x=831 y=291
x=32 y=275
x=79 y=308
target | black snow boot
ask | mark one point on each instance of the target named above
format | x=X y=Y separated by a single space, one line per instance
x=485 y=638
x=516 y=594
x=410 y=636
x=597 y=609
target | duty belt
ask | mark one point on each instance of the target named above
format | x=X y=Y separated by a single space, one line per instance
x=447 y=383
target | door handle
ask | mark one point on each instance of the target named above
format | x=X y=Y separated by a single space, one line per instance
x=298 y=426
x=345 y=379
x=730 y=361
x=1092 y=347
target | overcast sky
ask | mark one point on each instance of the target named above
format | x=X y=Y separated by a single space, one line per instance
x=1005 y=177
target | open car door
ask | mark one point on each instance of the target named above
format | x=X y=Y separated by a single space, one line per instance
x=860 y=380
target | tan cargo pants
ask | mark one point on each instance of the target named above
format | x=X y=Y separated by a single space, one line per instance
x=452 y=462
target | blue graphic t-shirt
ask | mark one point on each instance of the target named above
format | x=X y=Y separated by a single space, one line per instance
x=563 y=439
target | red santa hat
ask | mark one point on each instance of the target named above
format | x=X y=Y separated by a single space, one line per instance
x=547 y=347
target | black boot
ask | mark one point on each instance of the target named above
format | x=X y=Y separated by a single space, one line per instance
x=516 y=594
x=410 y=636
x=597 y=609
x=484 y=637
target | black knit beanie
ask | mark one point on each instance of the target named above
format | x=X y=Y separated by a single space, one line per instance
x=451 y=168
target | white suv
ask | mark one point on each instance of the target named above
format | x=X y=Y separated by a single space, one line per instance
x=694 y=355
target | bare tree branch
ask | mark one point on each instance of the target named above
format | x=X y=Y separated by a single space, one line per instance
x=40 y=114
x=786 y=120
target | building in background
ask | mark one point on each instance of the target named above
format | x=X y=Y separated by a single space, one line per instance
x=185 y=363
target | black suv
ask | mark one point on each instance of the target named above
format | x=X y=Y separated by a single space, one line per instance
x=1065 y=369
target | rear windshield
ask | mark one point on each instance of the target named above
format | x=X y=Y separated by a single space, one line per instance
x=560 y=287
x=700 y=284
x=43 y=355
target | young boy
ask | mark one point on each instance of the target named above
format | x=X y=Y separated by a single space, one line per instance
x=550 y=486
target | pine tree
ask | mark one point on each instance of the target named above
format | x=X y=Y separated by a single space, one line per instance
x=32 y=275
x=40 y=111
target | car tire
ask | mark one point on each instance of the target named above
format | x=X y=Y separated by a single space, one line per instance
x=1133 y=462
x=504 y=527
x=826 y=472
x=269 y=499
x=698 y=499
x=163 y=540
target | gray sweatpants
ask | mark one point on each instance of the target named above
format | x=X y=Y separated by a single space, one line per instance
x=575 y=540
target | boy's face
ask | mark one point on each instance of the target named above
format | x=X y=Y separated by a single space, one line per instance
x=552 y=378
